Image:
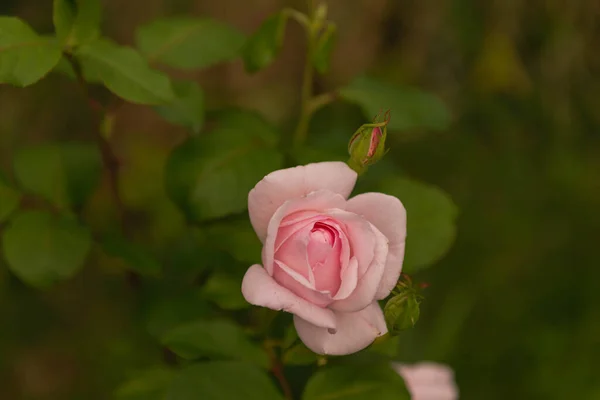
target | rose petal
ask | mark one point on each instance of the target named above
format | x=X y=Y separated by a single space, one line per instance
x=368 y=284
x=319 y=200
x=286 y=184
x=355 y=331
x=260 y=289
x=360 y=237
x=349 y=280
x=389 y=216
x=298 y=285
x=428 y=381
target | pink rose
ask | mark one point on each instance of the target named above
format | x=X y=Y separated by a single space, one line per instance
x=327 y=259
x=428 y=381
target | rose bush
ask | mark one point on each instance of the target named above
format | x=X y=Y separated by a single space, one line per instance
x=327 y=259
x=428 y=381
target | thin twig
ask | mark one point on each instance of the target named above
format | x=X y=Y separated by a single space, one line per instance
x=277 y=370
x=110 y=161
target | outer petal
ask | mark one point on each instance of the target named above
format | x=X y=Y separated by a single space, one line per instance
x=260 y=289
x=286 y=184
x=355 y=331
x=368 y=284
x=318 y=200
x=428 y=381
x=389 y=216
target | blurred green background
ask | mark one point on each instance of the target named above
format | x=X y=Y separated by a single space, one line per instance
x=512 y=307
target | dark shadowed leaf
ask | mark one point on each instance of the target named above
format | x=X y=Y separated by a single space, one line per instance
x=209 y=176
x=25 y=56
x=224 y=289
x=410 y=108
x=261 y=49
x=9 y=199
x=150 y=384
x=134 y=255
x=356 y=381
x=62 y=173
x=189 y=43
x=222 y=380
x=77 y=21
x=188 y=107
x=323 y=49
x=124 y=72
x=41 y=248
x=214 y=338
x=431 y=221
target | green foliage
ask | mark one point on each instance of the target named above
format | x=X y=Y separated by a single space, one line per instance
x=189 y=43
x=25 y=56
x=299 y=354
x=124 y=72
x=63 y=173
x=77 y=21
x=356 y=381
x=216 y=339
x=136 y=257
x=188 y=107
x=261 y=49
x=222 y=380
x=324 y=47
x=210 y=176
x=223 y=289
x=238 y=238
x=149 y=384
x=41 y=248
x=9 y=199
x=401 y=312
x=167 y=311
x=411 y=108
x=431 y=222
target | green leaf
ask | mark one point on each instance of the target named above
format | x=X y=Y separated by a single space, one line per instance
x=9 y=199
x=150 y=384
x=133 y=254
x=410 y=108
x=223 y=289
x=217 y=339
x=125 y=72
x=209 y=176
x=431 y=223
x=188 y=107
x=189 y=43
x=169 y=311
x=63 y=173
x=261 y=49
x=356 y=381
x=299 y=354
x=25 y=56
x=222 y=380
x=324 y=47
x=41 y=248
x=238 y=238
x=77 y=21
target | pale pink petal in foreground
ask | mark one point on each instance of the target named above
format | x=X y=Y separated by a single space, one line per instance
x=282 y=185
x=261 y=289
x=355 y=331
x=389 y=216
x=428 y=381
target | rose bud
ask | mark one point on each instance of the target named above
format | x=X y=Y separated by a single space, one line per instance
x=367 y=145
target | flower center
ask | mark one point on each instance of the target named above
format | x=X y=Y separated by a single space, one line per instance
x=321 y=241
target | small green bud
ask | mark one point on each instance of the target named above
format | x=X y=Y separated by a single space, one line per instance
x=367 y=145
x=402 y=312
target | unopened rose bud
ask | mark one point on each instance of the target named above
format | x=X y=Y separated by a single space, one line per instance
x=367 y=145
x=402 y=312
